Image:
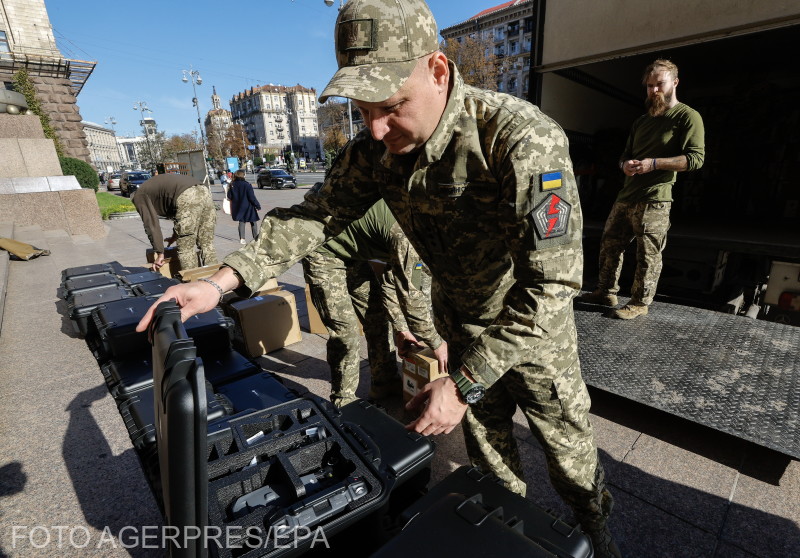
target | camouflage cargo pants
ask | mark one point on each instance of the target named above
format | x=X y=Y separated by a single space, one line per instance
x=648 y=223
x=344 y=294
x=195 y=221
x=554 y=399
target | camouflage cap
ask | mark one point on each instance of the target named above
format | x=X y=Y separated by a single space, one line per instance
x=378 y=43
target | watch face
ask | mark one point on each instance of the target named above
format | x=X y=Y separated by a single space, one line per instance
x=475 y=394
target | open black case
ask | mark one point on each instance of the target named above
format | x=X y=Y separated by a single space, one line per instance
x=262 y=482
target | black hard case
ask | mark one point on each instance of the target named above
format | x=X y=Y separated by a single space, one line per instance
x=547 y=531
x=399 y=453
x=211 y=332
x=94 y=269
x=296 y=451
x=87 y=283
x=127 y=376
x=100 y=269
x=132 y=279
x=115 y=323
x=457 y=525
x=155 y=287
x=83 y=303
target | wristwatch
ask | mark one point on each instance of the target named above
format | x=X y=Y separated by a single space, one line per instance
x=471 y=392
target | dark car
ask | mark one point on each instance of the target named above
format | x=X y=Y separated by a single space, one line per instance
x=130 y=181
x=275 y=178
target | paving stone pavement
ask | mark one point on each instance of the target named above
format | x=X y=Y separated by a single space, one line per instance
x=67 y=465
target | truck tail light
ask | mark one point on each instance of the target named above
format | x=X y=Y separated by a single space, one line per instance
x=789 y=301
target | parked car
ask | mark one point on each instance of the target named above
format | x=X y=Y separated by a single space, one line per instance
x=113 y=181
x=275 y=178
x=130 y=181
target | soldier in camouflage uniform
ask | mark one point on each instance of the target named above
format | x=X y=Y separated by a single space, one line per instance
x=482 y=184
x=667 y=139
x=345 y=290
x=192 y=210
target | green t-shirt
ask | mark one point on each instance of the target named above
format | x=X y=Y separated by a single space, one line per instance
x=367 y=238
x=679 y=131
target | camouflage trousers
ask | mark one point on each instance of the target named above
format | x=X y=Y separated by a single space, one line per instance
x=346 y=293
x=195 y=220
x=648 y=223
x=553 y=397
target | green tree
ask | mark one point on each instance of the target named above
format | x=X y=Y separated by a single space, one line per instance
x=178 y=143
x=81 y=170
x=333 y=139
x=475 y=60
x=24 y=85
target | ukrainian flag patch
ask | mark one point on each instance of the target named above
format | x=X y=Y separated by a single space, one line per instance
x=418 y=265
x=551 y=180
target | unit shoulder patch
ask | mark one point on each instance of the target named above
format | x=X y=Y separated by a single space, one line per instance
x=551 y=217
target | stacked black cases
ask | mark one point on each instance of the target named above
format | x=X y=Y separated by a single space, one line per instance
x=289 y=469
x=83 y=303
x=508 y=518
x=87 y=283
x=86 y=287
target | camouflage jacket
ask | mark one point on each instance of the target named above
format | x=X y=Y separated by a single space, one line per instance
x=405 y=283
x=491 y=205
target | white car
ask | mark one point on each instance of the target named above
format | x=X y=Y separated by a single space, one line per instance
x=113 y=181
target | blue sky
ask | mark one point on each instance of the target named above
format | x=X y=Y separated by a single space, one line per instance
x=142 y=46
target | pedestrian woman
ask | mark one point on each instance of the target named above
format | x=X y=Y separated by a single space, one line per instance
x=244 y=204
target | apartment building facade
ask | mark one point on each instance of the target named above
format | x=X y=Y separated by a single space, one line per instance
x=277 y=119
x=509 y=29
x=104 y=152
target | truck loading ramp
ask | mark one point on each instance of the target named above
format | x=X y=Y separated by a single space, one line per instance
x=730 y=373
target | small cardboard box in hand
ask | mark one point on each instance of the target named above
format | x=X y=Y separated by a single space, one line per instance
x=419 y=368
x=172 y=264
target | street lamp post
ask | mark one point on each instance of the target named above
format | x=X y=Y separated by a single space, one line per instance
x=142 y=107
x=113 y=122
x=194 y=76
x=329 y=3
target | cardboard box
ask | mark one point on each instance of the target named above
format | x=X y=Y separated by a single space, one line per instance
x=265 y=323
x=419 y=368
x=172 y=265
x=315 y=324
x=196 y=273
x=268 y=287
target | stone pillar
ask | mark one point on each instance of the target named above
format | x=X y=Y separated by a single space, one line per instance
x=60 y=104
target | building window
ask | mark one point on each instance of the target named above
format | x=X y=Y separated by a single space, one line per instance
x=499 y=34
x=513 y=47
x=4 y=43
x=512 y=85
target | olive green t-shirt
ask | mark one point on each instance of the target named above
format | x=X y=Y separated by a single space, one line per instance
x=679 y=131
x=367 y=238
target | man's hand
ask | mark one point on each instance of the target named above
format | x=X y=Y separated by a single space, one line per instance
x=158 y=262
x=635 y=166
x=443 y=408
x=405 y=342
x=441 y=356
x=195 y=297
